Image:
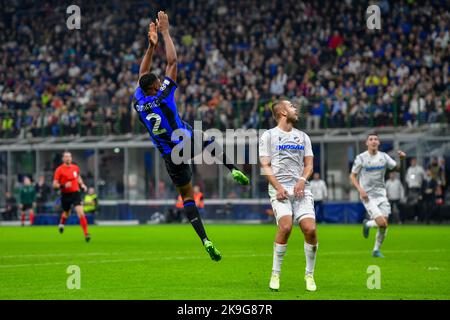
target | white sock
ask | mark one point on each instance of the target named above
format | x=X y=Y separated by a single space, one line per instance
x=278 y=255
x=371 y=224
x=310 y=254
x=381 y=234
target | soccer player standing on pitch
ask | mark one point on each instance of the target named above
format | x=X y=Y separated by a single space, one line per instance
x=287 y=162
x=67 y=178
x=371 y=167
x=155 y=103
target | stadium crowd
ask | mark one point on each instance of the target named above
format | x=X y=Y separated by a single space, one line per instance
x=235 y=58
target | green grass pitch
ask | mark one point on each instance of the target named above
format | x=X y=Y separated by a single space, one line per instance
x=168 y=262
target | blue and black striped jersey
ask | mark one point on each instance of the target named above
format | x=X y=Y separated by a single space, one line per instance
x=160 y=116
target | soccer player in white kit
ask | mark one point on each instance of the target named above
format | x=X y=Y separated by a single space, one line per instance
x=367 y=176
x=287 y=162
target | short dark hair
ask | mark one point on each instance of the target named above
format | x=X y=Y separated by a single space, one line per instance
x=373 y=133
x=147 y=80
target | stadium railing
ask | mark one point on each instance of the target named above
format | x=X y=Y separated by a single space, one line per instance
x=375 y=116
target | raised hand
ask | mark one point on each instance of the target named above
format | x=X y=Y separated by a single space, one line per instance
x=401 y=154
x=162 y=22
x=153 y=34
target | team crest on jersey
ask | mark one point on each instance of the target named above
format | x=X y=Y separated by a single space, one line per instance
x=75 y=174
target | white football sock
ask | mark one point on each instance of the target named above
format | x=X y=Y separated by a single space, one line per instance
x=278 y=255
x=371 y=224
x=381 y=234
x=310 y=254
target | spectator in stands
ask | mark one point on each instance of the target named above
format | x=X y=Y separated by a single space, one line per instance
x=437 y=171
x=320 y=193
x=42 y=194
x=278 y=83
x=11 y=207
x=395 y=194
x=315 y=55
x=416 y=108
x=315 y=115
x=429 y=186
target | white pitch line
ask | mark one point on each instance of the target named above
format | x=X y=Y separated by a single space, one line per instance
x=83 y=254
x=248 y=255
x=193 y=252
x=123 y=260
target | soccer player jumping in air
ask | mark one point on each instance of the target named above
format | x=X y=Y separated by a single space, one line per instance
x=287 y=162
x=67 y=178
x=371 y=167
x=155 y=103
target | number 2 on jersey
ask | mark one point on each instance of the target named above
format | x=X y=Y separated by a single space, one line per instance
x=157 y=117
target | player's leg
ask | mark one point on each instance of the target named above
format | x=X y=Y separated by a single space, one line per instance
x=76 y=202
x=190 y=208
x=22 y=217
x=62 y=220
x=378 y=210
x=382 y=223
x=308 y=226
x=280 y=245
x=66 y=206
x=373 y=211
x=219 y=153
x=381 y=218
x=283 y=215
x=181 y=176
x=31 y=215
x=305 y=216
x=83 y=221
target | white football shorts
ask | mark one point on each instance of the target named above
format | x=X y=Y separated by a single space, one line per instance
x=377 y=207
x=298 y=208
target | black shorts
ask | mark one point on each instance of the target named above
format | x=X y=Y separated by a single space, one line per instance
x=181 y=174
x=70 y=199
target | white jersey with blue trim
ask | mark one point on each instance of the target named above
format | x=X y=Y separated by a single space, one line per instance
x=371 y=170
x=286 y=151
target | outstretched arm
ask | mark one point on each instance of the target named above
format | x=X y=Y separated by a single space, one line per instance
x=401 y=156
x=171 y=53
x=152 y=42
